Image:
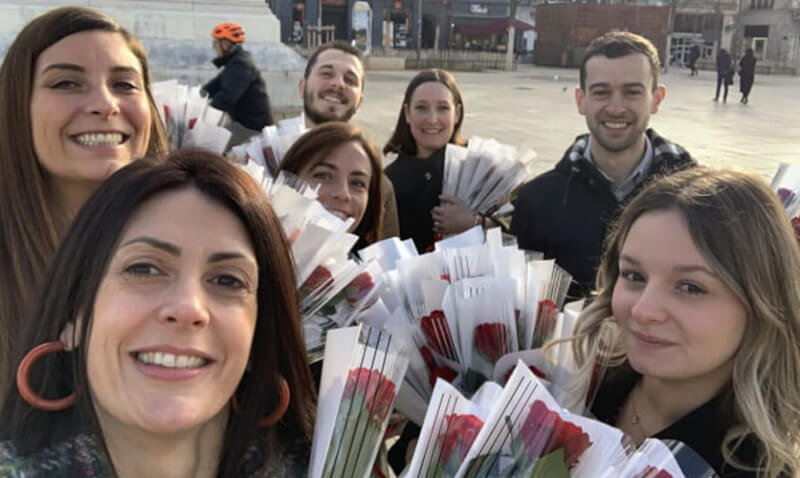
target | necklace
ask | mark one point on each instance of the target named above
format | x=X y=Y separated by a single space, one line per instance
x=635 y=418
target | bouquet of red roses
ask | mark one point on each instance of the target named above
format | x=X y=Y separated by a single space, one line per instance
x=485 y=173
x=526 y=434
x=188 y=117
x=361 y=373
x=333 y=286
x=269 y=148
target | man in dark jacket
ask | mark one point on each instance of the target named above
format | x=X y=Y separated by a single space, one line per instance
x=724 y=74
x=238 y=90
x=565 y=212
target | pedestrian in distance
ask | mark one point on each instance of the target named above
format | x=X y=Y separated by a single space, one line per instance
x=724 y=74
x=694 y=55
x=238 y=90
x=747 y=73
x=75 y=106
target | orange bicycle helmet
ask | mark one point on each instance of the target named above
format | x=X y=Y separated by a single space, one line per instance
x=228 y=31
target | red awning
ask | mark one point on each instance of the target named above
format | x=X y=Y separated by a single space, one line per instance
x=495 y=26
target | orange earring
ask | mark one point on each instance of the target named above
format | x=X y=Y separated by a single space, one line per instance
x=283 y=405
x=280 y=410
x=24 y=383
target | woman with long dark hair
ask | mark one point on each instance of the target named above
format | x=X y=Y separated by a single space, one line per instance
x=430 y=118
x=166 y=339
x=75 y=106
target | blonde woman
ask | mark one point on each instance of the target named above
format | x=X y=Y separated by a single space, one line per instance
x=700 y=281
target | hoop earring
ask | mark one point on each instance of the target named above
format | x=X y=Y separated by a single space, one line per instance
x=280 y=410
x=283 y=404
x=24 y=384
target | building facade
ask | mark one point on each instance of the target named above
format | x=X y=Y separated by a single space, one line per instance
x=772 y=29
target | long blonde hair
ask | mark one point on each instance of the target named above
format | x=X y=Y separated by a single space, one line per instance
x=740 y=227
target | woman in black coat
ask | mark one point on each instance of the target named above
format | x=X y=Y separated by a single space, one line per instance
x=747 y=71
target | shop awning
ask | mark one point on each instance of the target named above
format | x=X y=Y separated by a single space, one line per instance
x=495 y=26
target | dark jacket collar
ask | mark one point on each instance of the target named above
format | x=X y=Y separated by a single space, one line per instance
x=665 y=153
x=223 y=60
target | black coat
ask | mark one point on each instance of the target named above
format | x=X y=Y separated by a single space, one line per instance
x=747 y=71
x=239 y=90
x=565 y=212
x=703 y=429
x=417 y=186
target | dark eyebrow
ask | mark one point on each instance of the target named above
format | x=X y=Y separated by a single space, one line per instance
x=63 y=66
x=80 y=69
x=333 y=167
x=225 y=256
x=164 y=246
x=176 y=251
x=680 y=268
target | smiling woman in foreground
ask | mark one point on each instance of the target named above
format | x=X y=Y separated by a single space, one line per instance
x=184 y=354
x=700 y=278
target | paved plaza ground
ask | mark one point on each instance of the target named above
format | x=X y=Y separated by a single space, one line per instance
x=535 y=107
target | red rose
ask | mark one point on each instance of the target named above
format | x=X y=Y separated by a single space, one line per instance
x=544 y=431
x=796 y=228
x=785 y=195
x=460 y=433
x=427 y=357
x=653 y=472
x=446 y=373
x=546 y=316
x=319 y=278
x=437 y=333
x=379 y=392
x=358 y=288
x=491 y=341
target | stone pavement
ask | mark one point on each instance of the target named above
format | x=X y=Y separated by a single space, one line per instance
x=535 y=107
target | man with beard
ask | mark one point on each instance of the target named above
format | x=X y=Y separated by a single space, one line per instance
x=565 y=212
x=332 y=89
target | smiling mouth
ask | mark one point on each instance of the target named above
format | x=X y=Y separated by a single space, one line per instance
x=168 y=360
x=616 y=124
x=333 y=98
x=431 y=131
x=651 y=340
x=100 y=139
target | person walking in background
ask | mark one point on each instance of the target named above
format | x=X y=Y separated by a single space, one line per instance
x=694 y=55
x=747 y=73
x=724 y=74
x=238 y=90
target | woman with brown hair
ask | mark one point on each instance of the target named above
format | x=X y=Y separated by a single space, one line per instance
x=430 y=118
x=161 y=346
x=75 y=106
x=347 y=167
